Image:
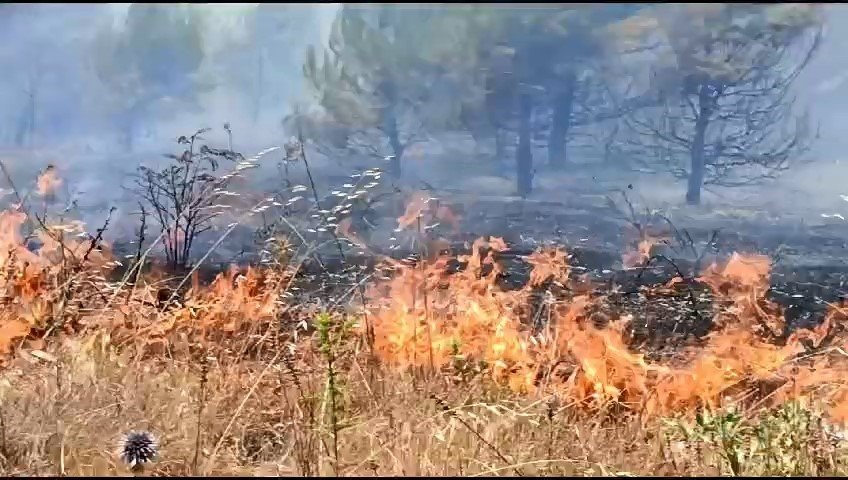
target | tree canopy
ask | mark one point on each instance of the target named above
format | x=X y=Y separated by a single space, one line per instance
x=717 y=96
x=727 y=113
x=154 y=57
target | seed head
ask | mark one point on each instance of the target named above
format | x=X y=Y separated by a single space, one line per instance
x=138 y=448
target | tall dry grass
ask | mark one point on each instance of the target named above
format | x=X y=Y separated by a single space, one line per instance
x=64 y=416
x=233 y=381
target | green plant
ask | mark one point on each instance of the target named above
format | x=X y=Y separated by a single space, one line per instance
x=788 y=440
x=330 y=337
x=721 y=432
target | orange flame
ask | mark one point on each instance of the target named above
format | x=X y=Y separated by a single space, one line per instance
x=430 y=317
x=445 y=317
x=642 y=254
x=429 y=209
x=48 y=182
x=343 y=229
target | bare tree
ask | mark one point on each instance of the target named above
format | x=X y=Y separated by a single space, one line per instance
x=726 y=115
x=186 y=195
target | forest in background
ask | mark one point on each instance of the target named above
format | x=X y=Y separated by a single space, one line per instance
x=705 y=93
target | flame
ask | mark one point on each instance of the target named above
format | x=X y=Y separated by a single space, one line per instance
x=838 y=412
x=428 y=316
x=640 y=246
x=234 y=303
x=449 y=312
x=742 y=283
x=65 y=276
x=28 y=279
x=428 y=209
x=343 y=229
x=11 y=241
x=48 y=182
x=642 y=254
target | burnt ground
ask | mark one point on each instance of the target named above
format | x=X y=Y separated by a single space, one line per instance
x=809 y=263
x=809 y=267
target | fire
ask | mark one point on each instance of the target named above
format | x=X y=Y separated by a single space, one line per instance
x=740 y=272
x=28 y=278
x=743 y=282
x=234 y=299
x=449 y=312
x=427 y=316
x=640 y=245
x=344 y=230
x=48 y=182
x=428 y=209
x=62 y=283
x=639 y=256
x=839 y=411
x=11 y=241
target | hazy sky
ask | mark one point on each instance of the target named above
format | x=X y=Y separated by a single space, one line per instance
x=47 y=50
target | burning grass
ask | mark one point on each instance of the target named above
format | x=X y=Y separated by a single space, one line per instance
x=442 y=372
x=431 y=319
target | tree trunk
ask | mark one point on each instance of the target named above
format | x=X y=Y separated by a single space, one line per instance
x=500 y=144
x=391 y=131
x=563 y=106
x=696 y=177
x=26 y=123
x=696 y=154
x=390 y=125
x=258 y=86
x=128 y=129
x=21 y=129
x=127 y=134
x=498 y=106
x=524 y=153
x=32 y=115
x=609 y=144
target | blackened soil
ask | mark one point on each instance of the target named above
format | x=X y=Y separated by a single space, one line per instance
x=810 y=264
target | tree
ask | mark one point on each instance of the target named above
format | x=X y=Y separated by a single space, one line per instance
x=546 y=58
x=154 y=57
x=550 y=47
x=574 y=52
x=44 y=83
x=185 y=196
x=370 y=79
x=258 y=54
x=392 y=71
x=726 y=115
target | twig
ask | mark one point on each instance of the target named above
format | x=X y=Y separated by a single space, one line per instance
x=204 y=378
x=446 y=408
x=368 y=327
x=242 y=404
x=98 y=237
x=426 y=301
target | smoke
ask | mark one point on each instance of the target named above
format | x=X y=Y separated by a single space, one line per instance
x=326 y=15
x=58 y=110
x=48 y=58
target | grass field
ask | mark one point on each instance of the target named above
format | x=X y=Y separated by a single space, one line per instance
x=439 y=374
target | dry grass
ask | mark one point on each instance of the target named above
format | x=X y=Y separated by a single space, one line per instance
x=65 y=417
x=453 y=383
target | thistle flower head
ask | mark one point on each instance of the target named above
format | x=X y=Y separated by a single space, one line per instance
x=137 y=448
